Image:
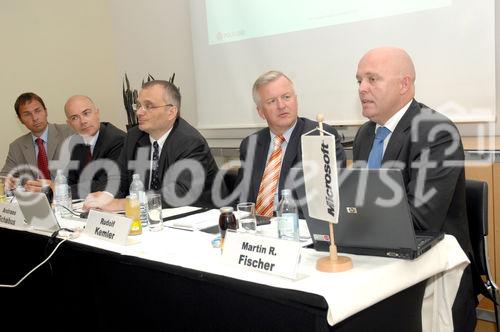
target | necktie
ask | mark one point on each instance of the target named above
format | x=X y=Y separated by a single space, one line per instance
x=88 y=154
x=155 y=177
x=267 y=189
x=375 y=158
x=43 y=163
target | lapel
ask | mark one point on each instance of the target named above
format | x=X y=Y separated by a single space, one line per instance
x=365 y=142
x=96 y=154
x=28 y=149
x=400 y=133
x=143 y=141
x=169 y=143
x=53 y=139
x=259 y=164
x=292 y=149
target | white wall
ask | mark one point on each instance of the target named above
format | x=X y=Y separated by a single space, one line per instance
x=154 y=36
x=57 y=48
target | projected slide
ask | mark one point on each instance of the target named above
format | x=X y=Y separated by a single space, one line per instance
x=233 y=20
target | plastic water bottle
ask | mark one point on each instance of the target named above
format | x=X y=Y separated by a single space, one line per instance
x=137 y=190
x=288 y=224
x=62 y=196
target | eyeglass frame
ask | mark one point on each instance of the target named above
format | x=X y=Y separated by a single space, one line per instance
x=148 y=109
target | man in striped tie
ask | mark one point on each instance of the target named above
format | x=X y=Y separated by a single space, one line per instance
x=268 y=154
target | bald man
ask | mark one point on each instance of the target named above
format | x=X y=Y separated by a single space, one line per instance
x=425 y=145
x=94 y=144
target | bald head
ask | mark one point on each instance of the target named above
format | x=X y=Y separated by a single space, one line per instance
x=395 y=59
x=82 y=115
x=77 y=99
x=386 y=78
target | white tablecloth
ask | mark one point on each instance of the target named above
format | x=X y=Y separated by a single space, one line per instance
x=371 y=280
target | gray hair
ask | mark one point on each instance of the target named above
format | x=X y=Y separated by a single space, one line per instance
x=264 y=79
x=171 y=91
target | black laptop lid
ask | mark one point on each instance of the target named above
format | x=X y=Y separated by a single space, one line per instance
x=374 y=212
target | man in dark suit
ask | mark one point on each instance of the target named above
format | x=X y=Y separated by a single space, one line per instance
x=167 y=152
x=425 y=145
x=94 y=144
x=276 y=101
x=30 y=154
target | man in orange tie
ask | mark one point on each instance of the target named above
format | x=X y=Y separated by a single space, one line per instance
x=31 y=153
x=267 y=155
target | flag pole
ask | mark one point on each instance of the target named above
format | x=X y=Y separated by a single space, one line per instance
x=333 y=262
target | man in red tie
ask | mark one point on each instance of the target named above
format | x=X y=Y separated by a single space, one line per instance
x=267 y=155
x=29 y=155
x=94 y=141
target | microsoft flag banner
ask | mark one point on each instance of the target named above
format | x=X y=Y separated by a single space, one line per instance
x=322 y=190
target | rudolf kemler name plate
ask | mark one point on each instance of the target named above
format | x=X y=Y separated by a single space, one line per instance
x=11 y=216
x=108 y=226
x=275 y=256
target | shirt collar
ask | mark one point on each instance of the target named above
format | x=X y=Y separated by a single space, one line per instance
x=44 y=136
x=161 y=140
x=90 y=140
x=393 y=121
x=286 y=134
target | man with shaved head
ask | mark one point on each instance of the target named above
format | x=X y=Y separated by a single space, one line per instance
x=403 y=133
x=94 y=143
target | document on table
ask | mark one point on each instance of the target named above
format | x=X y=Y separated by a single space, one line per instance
x=171 y=212
x=195 y=221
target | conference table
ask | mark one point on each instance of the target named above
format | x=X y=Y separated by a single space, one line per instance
x=176 y=280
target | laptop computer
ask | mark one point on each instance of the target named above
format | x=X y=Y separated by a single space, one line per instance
x=37 y=211
x=374 y=217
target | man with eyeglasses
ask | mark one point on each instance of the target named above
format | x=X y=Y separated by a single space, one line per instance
x=169 y=154
x=277 y=148
x=30 y=154
x=94 y=143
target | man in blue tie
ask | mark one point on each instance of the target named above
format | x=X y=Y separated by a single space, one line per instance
x=403 y=133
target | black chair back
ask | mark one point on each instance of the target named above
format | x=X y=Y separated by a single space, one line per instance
x=477 y=214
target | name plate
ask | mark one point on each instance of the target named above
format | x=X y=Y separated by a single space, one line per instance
x=11 y=215
x=270 y=255
x=108 y=226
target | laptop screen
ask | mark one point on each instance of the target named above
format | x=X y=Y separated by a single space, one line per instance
x=36 y=210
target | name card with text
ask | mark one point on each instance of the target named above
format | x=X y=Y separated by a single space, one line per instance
x=275 y=256
x=11 y=215
x=108 y=226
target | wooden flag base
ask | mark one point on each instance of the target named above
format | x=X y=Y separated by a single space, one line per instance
x=334 y=263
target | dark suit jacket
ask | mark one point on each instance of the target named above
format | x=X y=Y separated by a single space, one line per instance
x=293 y=156
x=182 y=144
x=432 y=136
x=107 y=147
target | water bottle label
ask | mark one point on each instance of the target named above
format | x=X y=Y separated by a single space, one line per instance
x=288 y=227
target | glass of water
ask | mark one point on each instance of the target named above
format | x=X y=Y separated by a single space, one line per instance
x=155 y=219
x=246 y=216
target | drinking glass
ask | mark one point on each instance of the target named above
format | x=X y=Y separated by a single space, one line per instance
x=155 y=219
x=246 y=216
x=133 y=211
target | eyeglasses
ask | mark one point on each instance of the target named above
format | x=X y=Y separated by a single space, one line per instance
x=147 y=108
